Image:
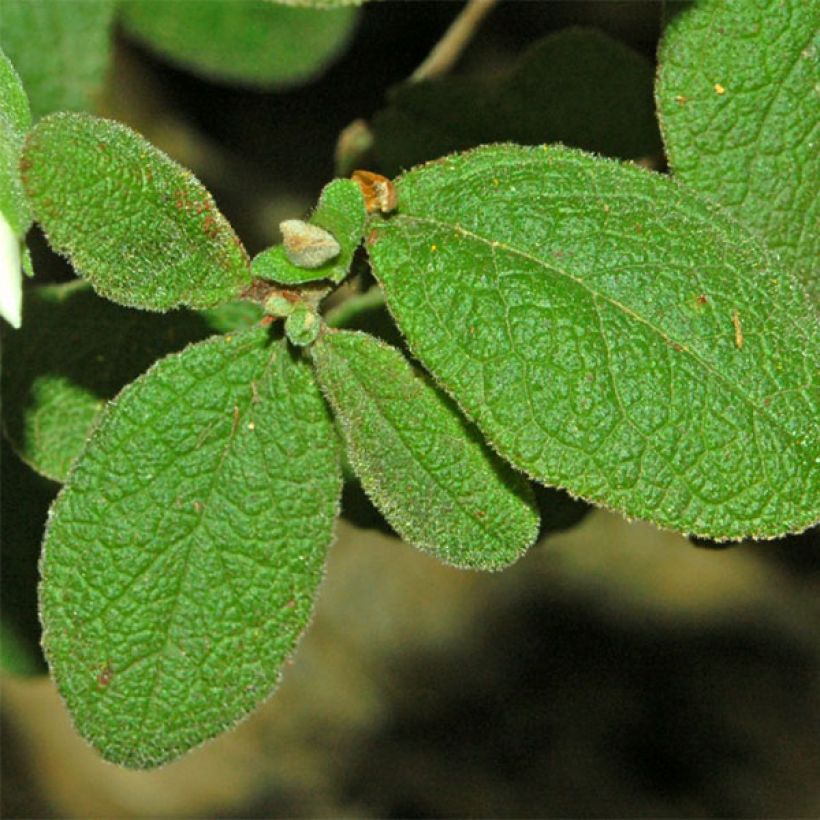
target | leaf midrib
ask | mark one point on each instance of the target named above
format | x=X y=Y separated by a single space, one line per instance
x=482 y=525
x=496 y=245
x=159 y=654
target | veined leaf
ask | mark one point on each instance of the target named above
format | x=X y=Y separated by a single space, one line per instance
x=738 y=103
x=61 y=48
x=183 y=555
x=612 y=334
x=340 y=211
x=425 y=468
x=253 y=42
x=74 y=353
x=15 y=120
x=576 y=86
x=139 y=227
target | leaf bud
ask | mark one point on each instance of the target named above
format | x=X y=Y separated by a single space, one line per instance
x=302 y=326
x=306 y=245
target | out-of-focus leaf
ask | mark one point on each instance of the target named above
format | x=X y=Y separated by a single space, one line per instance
x=577 y=86
x=366 y=312
x=252 y=42
x=74 y=353
x=319 y=4
x=61 y=49
x=24 y=501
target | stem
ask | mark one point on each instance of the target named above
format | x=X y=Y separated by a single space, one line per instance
x=449 y=48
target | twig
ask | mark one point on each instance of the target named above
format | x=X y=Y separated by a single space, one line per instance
x=449 y=48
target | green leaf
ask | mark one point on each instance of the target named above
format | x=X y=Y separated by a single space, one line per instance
x=24 y=501
x=61 y=48
x=340 y=211
x=253 y=42
x=738 y=102
x=139 y=227
x=302 y=326
x=612 y=334
x=15 y=120
x=74 y=353
x=425 y=468
x=183 y=555
x=577 y=86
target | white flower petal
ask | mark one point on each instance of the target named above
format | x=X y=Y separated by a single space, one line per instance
x=11 y=275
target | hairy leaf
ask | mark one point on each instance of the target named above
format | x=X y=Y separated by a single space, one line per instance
x=184 y=553
x=611 y=334
x=15 y=120
x=74 y=353
x=340 y=211
x=577 y=86
x=139 y=227
x=425 y=468
x=61 y=48
x=253 y=42
x=739 y=109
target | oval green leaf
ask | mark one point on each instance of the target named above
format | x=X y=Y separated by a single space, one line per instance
x=139 y=227
x=426 y=469
x=252 y=42
x=183 y=555
x=611 y=334
x=340 y=211
x=738 y=102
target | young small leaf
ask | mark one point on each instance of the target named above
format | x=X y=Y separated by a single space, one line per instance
x=61 y=48
x=425 y=468
x=586 y=313
x=737 y=99
x=253 y=42
x=577 y=86
x=74 y=353
x=302 y=325
x=183 y=555
x=140 y=228
x=340 y=211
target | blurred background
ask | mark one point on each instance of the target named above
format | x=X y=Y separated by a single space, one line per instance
x=616 y=670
